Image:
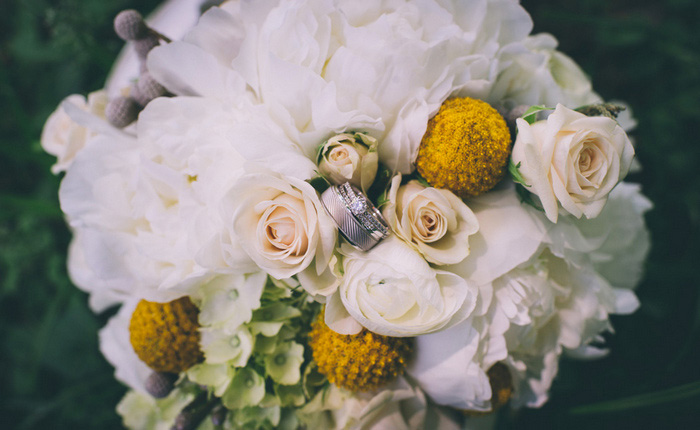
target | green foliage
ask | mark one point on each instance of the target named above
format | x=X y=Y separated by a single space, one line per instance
x=643 y=52
x=530 y=114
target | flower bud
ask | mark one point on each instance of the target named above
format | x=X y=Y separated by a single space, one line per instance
x=129 y=25
x=160 y=384
x=349 y=157
x=122 y=111
x=147 y=89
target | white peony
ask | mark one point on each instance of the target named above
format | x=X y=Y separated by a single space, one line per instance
x=572 y=160
x=554 y=306
x=391 y=290
x=323 y=67
x=62 y=136
x=535 y=73
x=448 y=368
x=115 y=345
x=510 y=232
x=144 y=205
x=433 y=221
x=282 y=226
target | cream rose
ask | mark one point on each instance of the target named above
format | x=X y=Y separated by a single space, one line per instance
x=434 y=222
x=349 y=157
x=391 y=290
x=572 y=159
x=282 y=226
x=62 y=137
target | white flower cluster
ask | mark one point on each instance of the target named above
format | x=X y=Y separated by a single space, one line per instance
x=209 y=195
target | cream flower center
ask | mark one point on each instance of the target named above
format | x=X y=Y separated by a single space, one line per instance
x=283 y=229
x=428 y=223
x=591 y=164
x=339 y=156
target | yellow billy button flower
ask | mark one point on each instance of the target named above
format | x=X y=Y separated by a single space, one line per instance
x=165 y=336
x=362 y=362
x=465 y=148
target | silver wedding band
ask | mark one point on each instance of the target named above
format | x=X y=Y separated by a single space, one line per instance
x=356 y=217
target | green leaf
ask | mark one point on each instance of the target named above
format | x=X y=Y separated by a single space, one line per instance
x=514 y=171
x=526 y=197
x=319 y=183
x=530 y=114
x=674 y=394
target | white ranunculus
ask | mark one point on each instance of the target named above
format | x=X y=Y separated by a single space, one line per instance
x=349 y=157
x=62 y=136
x=282 y=226
x=572 y=160
x=433 y=221
x=535 y=73
x=391 y=290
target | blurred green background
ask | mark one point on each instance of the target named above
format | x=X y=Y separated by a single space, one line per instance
x=647 y=53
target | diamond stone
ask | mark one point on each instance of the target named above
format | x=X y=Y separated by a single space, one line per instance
x=358 y=206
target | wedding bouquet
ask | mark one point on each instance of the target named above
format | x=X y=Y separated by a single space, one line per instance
x=333 y=214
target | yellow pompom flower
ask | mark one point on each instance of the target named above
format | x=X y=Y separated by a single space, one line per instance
x=465 y=148
x=165 y=336
x=361 y=362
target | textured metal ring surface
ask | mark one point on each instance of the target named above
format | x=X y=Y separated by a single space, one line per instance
x=356 y=217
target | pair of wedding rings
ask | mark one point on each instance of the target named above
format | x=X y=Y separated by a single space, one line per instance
x=356 y=217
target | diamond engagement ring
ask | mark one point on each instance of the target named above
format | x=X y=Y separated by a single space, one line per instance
x=356 y=217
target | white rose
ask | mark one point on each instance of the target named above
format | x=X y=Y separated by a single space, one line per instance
x=392 y=291
x=435 y=222
x=62 y=136
x=282 y=226
x=350 y=158
x=572 y=159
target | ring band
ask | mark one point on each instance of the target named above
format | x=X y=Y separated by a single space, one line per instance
x=356 y=217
